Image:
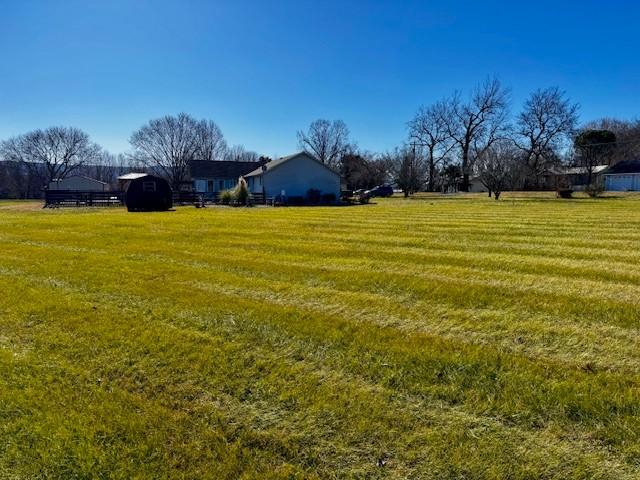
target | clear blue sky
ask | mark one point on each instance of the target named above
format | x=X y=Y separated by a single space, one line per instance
x=263 y=70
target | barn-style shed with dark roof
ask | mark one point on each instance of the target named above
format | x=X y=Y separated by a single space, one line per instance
x=146 y=193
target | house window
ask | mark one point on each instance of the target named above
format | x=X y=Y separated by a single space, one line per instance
x=148 y=186
x=210 y=186
x=220 y=184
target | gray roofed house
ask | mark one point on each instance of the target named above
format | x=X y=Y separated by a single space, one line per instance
x=577 y=177
x=623 y=176
x=211 y=177
x=626 y=166
x=78 y=183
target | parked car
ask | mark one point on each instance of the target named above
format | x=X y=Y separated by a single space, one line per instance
x=381 y=191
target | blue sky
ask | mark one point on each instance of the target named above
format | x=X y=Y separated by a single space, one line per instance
x=263 y=70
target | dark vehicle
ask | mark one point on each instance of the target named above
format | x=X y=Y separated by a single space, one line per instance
x=381 y=191
x=362 y=195
x=146 y=193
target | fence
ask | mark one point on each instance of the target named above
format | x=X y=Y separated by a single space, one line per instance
x=76 y=198
x=204 y=198
x=189 y=198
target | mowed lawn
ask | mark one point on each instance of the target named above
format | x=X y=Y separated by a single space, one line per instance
x=437 y=337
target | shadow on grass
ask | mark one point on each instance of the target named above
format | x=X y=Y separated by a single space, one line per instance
x=513 y=197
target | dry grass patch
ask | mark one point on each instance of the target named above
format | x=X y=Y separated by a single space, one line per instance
x=435 y=337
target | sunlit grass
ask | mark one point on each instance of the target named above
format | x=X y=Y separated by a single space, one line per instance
x=435 y=337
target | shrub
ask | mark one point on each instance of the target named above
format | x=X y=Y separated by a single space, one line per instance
x=226 y=197
x=313 y=195
x=564 y=193
x=594 y=190
x=328 y=198
x=241 y=193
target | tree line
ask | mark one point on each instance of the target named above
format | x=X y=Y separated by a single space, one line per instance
x=165 y=146
x=449 y=142
x=475 y=136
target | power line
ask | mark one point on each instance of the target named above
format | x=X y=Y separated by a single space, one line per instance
x=616 y=143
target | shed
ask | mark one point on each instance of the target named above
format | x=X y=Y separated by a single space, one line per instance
x=623 y=176
x=294 y=176
x=78 y=183
x=144 y=192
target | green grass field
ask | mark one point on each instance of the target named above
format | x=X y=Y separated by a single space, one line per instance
x=437 y=337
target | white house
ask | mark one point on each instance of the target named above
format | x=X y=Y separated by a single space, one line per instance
x=78 y=183
x=294 y=176
x=476 y=185
x=623 y=176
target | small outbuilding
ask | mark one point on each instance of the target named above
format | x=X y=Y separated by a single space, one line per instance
x=295 y=176
x=623 y=176
x=78 y=183
x=146 y=193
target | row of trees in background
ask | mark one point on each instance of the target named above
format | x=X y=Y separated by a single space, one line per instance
x=478 y=131
x=35 y=158
x=478 y=134
x=450 y=142
x=165 y=146
x=461 y=137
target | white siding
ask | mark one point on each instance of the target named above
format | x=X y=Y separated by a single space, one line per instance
x=623 y=182
x=476 y=186
x=296 y=176
x=200 y=186
x=203 y=185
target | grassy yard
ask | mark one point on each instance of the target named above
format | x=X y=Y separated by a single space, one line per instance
x=436 y=337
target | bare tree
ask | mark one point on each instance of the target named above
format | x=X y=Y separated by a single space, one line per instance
x=325 y=140
x=238 y=153
x=544 y=126
x=408 y=169
x=428 y=129
x=497 y=167
x=593 y=148
x=102 y=168
x=169 y=144
x=474 y=125
x=58 y=151
x=363 y=170
x=22 y=180
x=211 y=144
x=627 y=134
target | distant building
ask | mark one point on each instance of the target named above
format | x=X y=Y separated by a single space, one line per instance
x=78 y=183
x=294 y=176
x=623 y=176
x=577 y=178
x=476 y=185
